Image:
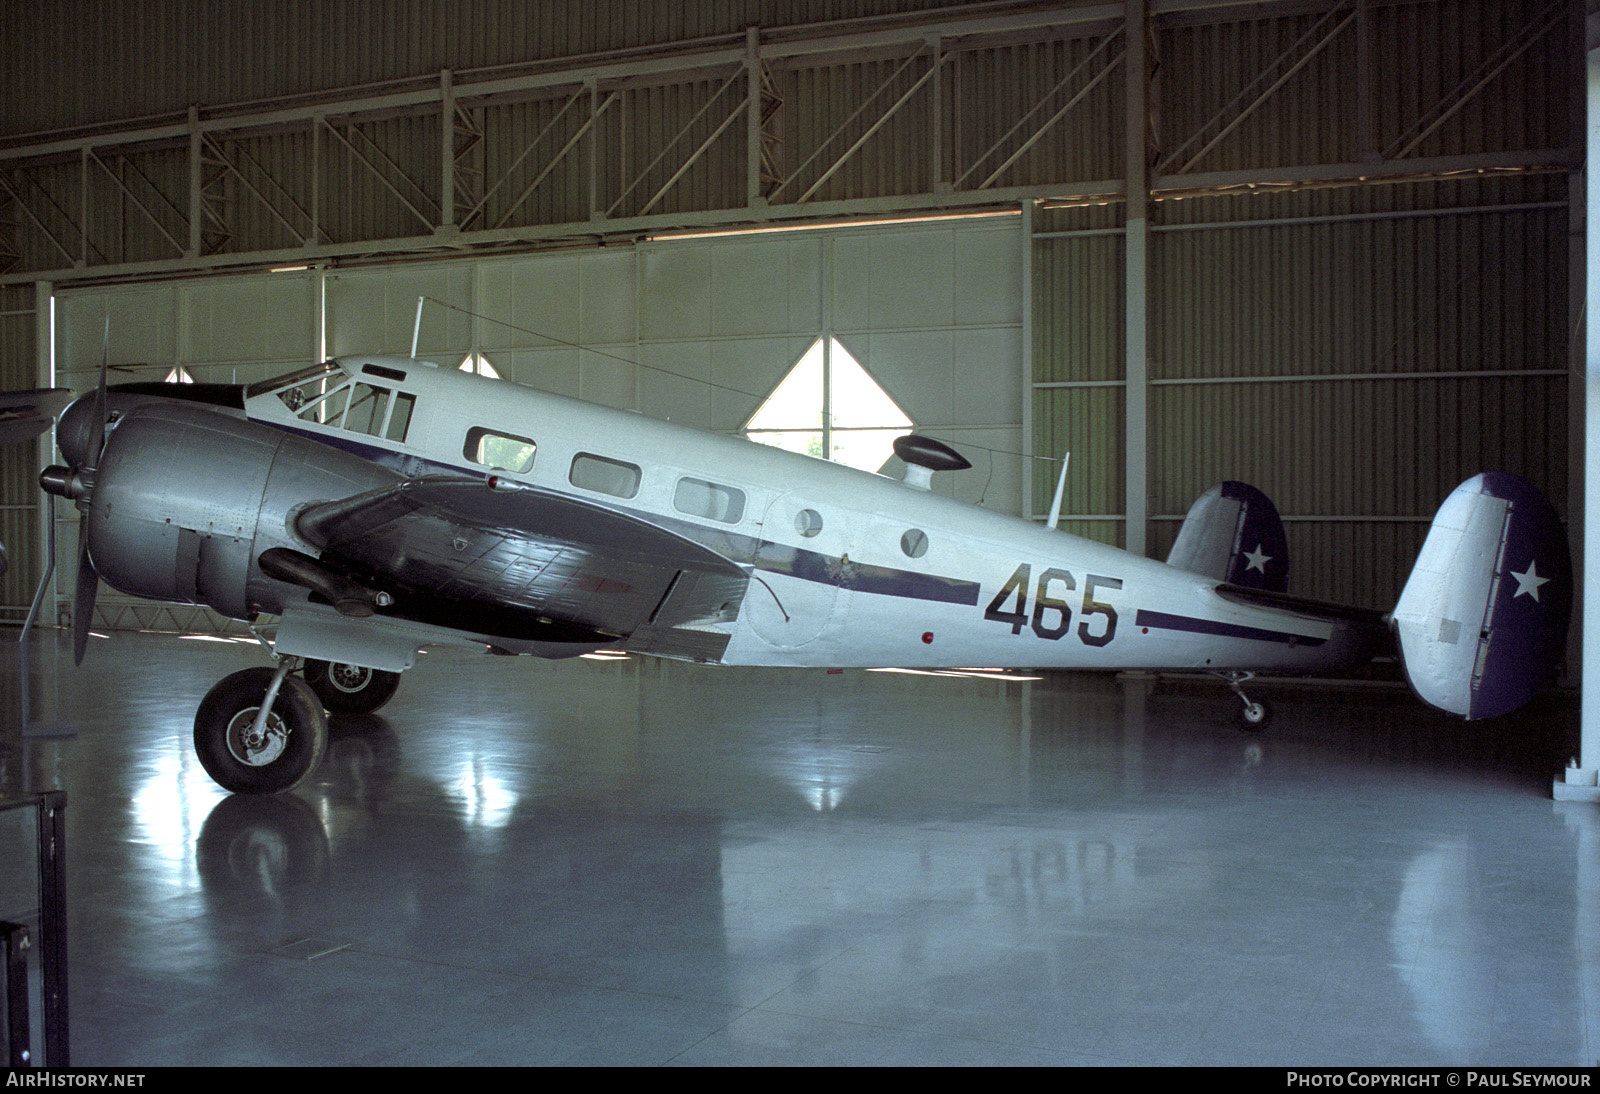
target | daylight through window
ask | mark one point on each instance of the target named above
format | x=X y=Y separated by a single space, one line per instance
x=829 y=406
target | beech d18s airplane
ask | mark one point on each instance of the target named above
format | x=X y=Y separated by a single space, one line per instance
x=377 y=505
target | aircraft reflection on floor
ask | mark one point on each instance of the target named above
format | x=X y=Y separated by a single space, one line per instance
x=646 y=862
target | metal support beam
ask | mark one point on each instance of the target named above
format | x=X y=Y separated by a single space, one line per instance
x=1029 y=386
x=1580 y=782
x=1553 y=15
x=910 y=92
x=131 y=196
x=842 y=126
x=1136 y=243
x=447 y=151
x=196 y=176
x=1044 y=128
x=426 y=217
x=683 y=131
x=1296 y=57
x=752 y=117
x=33 y=218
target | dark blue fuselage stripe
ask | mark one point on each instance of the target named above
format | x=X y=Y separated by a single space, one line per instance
x=1163 y=621
x=777 y=558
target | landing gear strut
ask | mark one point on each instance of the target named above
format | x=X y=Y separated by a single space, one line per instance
x=1254 y=716
x=260 y=731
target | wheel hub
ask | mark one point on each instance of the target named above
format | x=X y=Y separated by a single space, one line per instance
x=350 y=678
x=250 y=748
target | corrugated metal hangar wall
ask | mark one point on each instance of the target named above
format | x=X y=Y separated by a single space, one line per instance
x=1334 y=261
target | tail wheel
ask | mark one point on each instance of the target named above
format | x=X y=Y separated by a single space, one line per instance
x=1254 y=716
x=288 y=748
x=350 y=689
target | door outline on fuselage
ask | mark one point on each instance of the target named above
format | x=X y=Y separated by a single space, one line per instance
x=801 y=597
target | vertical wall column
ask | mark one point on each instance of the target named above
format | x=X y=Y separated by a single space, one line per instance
x=44 y=348
x=1589 y=742
x=752 y=118
x=447 y=151
x=196 y=184
x=1029 y=391
x=1136 y=285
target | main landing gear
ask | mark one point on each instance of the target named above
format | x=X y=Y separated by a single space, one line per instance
x=263 y=730
x=350 y=689
x=1254 y=715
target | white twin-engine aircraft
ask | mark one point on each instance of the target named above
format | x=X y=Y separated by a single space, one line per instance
x=381 y=504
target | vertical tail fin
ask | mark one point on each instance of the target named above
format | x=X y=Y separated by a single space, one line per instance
x=1482 y=621
x=1233 y=534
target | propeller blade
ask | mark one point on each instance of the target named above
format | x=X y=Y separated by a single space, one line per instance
x=26 y=414
x=82 y=434
x=99 y=422
x=83 y=597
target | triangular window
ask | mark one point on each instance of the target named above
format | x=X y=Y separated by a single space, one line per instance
x=829 y=406
x=179 y=375
x=478 y=364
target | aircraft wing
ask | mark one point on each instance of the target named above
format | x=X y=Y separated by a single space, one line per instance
x=523 y=563
x=26 y=414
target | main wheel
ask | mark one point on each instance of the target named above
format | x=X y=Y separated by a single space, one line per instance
x=350 y=689
x=289 y=748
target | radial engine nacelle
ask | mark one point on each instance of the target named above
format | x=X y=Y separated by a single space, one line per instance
x=185 y=501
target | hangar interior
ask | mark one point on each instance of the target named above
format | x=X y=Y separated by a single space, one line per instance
x=1289 y=254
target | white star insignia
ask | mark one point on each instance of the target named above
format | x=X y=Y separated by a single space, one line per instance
x=1528 y=582
x=1258 y=561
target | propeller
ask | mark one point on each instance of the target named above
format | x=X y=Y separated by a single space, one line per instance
x=81 y=435
x=89 y=443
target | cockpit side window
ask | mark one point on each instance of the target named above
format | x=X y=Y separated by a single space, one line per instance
x=368 y=405
x=359 y=407
x=400 y=416
x=326 y=409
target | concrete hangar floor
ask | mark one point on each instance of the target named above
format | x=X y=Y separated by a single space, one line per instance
x=638 y=862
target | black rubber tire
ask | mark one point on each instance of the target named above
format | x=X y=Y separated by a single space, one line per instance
x=297 y=733
x=350 y=689
x=1254 y=716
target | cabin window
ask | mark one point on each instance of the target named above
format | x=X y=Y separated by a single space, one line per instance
x=502 y=450
x=808 y=522
x=604 y=476
x=914 y=543
x=699 y=498
x=400 y=417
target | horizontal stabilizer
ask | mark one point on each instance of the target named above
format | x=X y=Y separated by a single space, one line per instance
x=1482 y=621
x=1233 y=534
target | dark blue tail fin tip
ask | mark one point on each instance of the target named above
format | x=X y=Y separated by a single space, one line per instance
x=1261 y=553
x=1233 y=533
x=1527 y=620
x=1482 y=621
